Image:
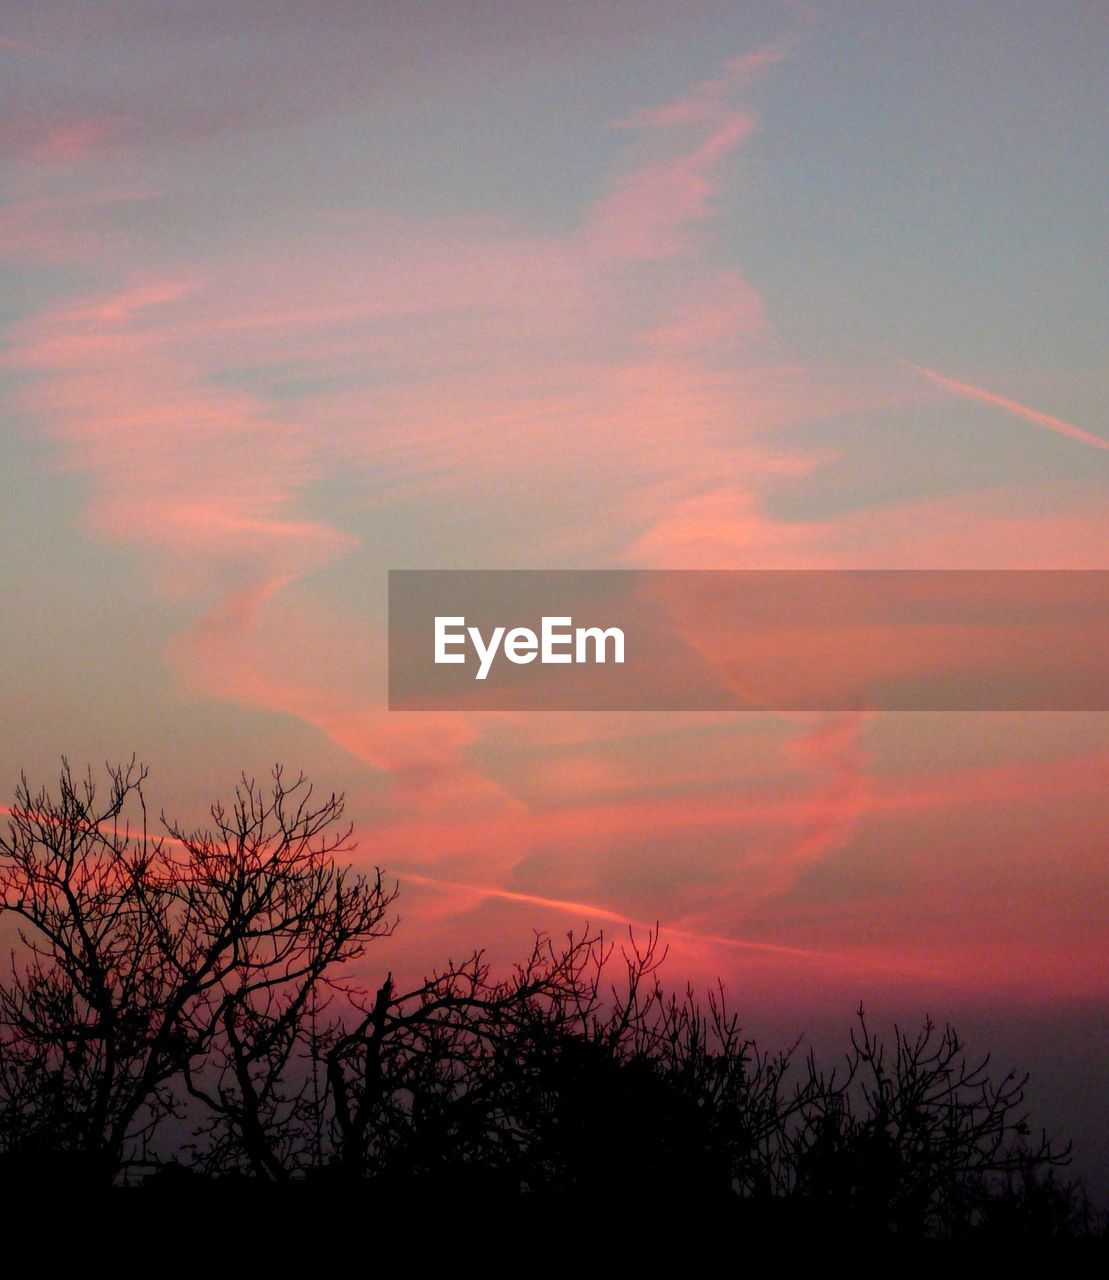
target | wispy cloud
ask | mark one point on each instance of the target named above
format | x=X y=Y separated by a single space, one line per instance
x=676 y=169
x=267 y=422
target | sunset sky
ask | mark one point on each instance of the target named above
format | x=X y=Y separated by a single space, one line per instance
x=296 y=294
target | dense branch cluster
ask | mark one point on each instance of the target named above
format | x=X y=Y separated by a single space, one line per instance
x=185 y=998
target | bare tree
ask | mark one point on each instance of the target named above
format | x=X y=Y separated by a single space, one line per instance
x=425 y=1080
x=209 y=970
x=578 y=1069
x=146 y=955
x=558 y=1079
x=916 y=1137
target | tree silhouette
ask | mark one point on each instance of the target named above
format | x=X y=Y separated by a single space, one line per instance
x=146 y=955
x=917 y=1138
x=183 y=1002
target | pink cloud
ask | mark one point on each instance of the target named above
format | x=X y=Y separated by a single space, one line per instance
x=57 y=142
x=612 y=391
x=654 y=206
x=175 y=465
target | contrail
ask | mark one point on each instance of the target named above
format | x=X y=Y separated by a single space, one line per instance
x=586 y=910
x=1012 y=406
x=591 y=911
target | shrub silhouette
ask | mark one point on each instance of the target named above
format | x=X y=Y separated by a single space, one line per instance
x=180 y=1008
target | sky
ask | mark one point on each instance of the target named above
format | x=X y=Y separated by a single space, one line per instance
x=298 y=294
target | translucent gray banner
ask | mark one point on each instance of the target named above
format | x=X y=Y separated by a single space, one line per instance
x=726 y=640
